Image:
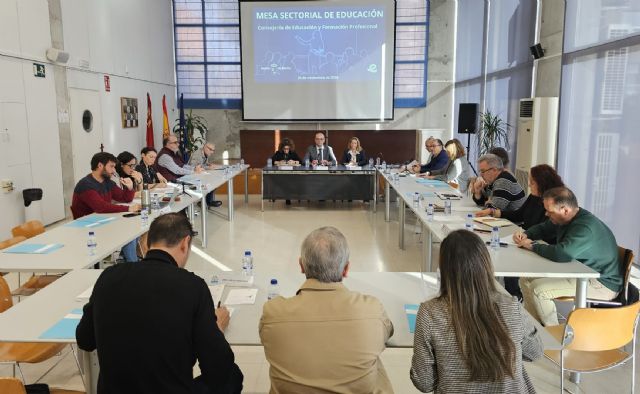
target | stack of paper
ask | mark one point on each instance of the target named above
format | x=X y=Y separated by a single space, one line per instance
x=493 y=222
x=241 y=296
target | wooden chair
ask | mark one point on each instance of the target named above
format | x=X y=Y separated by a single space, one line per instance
x=26 y=352
x=10 y=242
x=28 y=229
x=592 y=340
x=15 y=386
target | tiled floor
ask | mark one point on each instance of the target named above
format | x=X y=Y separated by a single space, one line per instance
x=274 y=236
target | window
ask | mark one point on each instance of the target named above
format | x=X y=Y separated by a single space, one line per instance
x=207 y=45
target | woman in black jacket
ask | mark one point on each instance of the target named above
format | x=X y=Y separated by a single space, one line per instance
x=354 y=154
x=286 y=153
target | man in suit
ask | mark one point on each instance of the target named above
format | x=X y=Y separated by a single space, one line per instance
x=152 y=320
x=319 y=153
x=326 y=338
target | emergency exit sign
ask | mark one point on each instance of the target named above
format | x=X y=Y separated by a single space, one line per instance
x=38 y=70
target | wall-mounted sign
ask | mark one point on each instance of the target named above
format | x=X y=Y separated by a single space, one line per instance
x=129 y=112
x=38 y=70
x=107 y=84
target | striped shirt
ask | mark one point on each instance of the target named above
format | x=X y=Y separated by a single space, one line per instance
x=505 y=193
x=437 y=363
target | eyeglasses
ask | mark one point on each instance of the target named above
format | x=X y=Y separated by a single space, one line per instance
x=130 y=165
x=487 y=170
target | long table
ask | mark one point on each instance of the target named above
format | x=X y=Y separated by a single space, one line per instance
x=29 y=319
x=509 y=261
x=309 y=183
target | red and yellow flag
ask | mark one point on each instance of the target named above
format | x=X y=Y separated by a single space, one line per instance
x=165 y=118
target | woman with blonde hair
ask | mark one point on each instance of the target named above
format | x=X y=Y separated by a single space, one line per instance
x=472 y=337
x=457 y=171
x=354 y=154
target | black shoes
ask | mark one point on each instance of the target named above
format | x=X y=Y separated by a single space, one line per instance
x=215 y=203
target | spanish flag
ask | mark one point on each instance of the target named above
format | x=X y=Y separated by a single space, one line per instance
x=165 y=118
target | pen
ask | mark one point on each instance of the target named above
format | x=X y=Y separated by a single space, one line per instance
x=219 y=303
x=481 y=230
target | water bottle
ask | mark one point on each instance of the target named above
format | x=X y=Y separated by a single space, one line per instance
x=371 y=162
x=430 y=212
x=274 y=290
x=247 y=263
x=416 y=200
x=307 y=163
x=495 y=238
x=144 y=217
x=377 y=162
x=155 y=203
x=384 y=166
x=468 y=225
x=92 y=243
x=144 y=196
x=396 y=178
x=241 y=162
x=447 y=207
x=269 y=163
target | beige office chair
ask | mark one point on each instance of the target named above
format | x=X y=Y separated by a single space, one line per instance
x=593 y=338
x=15 y=386
x=29 y=229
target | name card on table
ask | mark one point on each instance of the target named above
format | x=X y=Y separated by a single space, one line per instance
x=286 y=168
x=322 y=168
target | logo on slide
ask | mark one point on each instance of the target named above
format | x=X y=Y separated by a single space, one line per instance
x=373 y=68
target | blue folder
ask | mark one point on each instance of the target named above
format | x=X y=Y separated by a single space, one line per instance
x=27 y=248
x=91 y=221
x=63 y=329
x=411 y=310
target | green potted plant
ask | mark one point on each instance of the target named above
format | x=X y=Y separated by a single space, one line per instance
x=196 y=128
x=493 y=132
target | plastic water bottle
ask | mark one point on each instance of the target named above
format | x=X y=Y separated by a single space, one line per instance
x=155 y=203
x=377 y=162
x=241 y=162
x=430 y=212
x=447 y=207
x=371 y=162
x=468 y=225
x=274 y=290
x=384 y=166
x=247 y=263
x=416 y=200
x=307 y=163
x=92 y=243
x=495 y=238
x=144 y=217
x=269 y=163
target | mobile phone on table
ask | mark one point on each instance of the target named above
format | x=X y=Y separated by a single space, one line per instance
x=130 y=215
x=502 y=244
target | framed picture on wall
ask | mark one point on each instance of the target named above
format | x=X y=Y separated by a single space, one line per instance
x=129 y=110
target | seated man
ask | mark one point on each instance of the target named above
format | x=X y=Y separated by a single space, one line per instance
x=580 y=236
x=151 y=321
x=438 y=160
x=201 y=158
x=93 y=194
x=169 y=162
x=496 y=188
x=325 y=338
x=319 y=153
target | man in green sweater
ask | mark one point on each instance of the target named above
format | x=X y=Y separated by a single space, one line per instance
x=579 y=236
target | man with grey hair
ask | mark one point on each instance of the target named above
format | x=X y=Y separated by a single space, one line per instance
x=201 y=158
x=326 y=338
x=496 y=188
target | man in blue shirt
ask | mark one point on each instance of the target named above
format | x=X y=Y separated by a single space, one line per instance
x=439 y=156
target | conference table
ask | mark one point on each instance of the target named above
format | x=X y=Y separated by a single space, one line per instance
x=507 y=261
x=319 y=183
x=28 y=320
x=112 y=232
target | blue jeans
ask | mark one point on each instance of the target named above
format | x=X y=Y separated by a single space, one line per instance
x=129 y=251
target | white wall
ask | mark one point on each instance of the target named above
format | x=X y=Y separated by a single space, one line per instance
x=132 y=41
x=29 y=139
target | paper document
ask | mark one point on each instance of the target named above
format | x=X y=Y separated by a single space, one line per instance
x=507 y=240
x=447 y=219
x=241 y=296
x=216 y=293
x=231 y=278
x=85 y=295
x=412 y=311
x=493 y=222
x=464 y=209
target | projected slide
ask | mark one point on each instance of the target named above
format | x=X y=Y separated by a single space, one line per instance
x=318 y=44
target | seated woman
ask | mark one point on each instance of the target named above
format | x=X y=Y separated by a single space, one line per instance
x=541 y=178
x=146 y=167
x=125 y=168
x=457 y=171
x=472 y=337
x=354 y=154
x=286 y=154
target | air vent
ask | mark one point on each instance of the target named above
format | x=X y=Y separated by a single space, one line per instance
x=526 y=108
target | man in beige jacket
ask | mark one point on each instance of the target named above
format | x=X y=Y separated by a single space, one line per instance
x=325 y=339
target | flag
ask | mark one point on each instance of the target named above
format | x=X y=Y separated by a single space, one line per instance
x=165 y=118
x=149 y=123
x=184 y=143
